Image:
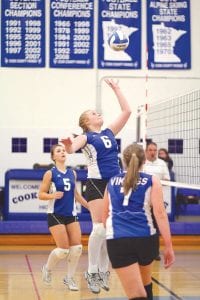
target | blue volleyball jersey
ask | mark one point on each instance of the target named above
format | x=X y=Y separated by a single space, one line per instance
x=101 y=152
x=63 y=182
x=130 y=216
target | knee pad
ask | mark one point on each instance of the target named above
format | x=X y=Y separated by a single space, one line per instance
x=99 y=230
x=75 y=250
x=61 y=253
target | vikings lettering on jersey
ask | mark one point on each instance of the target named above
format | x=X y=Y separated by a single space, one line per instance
x=131 y=215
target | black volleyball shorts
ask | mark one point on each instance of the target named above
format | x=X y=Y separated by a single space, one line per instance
x=127 y=251
x=53 y=219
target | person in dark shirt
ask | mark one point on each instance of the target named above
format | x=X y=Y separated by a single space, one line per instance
x=164 y=155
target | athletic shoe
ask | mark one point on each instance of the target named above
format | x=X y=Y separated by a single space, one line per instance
x=71 y=284
x=104 y=280
x=93 y=282
x=46 y=275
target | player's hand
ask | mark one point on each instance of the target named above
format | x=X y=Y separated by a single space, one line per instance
x=58 y=195
x=66 y=142
x=169 y=258
x=113 y=84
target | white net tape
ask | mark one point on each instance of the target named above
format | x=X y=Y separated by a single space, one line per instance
x=180 y=185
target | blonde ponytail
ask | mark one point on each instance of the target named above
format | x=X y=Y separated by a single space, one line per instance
x=133 y=157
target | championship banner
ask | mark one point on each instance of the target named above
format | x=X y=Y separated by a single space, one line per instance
x=23 y=33
x=71 y=34
x=168 y=34
x=125 y=16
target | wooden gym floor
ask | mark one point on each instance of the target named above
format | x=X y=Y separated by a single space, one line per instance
x=21 y=258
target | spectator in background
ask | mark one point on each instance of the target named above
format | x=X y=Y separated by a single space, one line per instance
x=156 y=166
x=164 y=155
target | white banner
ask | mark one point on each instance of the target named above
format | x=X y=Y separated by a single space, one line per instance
x=23 y=197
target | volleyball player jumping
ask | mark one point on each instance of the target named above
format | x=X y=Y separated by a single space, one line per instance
x=101 y=150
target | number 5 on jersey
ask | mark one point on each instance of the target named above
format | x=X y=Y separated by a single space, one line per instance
x=67 y=184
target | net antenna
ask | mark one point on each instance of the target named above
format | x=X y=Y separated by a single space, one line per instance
x=141 y=131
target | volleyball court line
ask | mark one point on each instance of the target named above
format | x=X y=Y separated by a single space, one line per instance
x=167 y=289
x=33 y=278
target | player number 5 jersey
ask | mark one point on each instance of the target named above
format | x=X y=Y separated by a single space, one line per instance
x=63 y=182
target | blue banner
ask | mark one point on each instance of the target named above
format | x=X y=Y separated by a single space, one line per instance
x=125 y=16
x=23 y=33
x=168 y=34
x=71 y=33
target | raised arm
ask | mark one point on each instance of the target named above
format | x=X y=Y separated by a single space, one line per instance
x=123 y=117
x=161 y=217
x=74 y=144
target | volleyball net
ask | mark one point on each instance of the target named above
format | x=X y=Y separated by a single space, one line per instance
x=174 y=124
